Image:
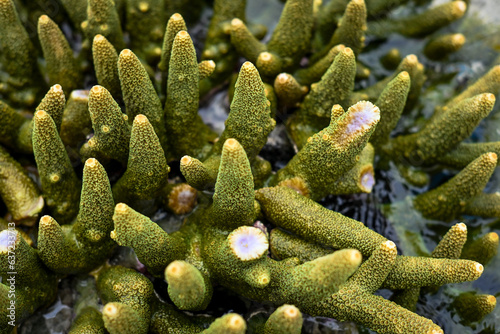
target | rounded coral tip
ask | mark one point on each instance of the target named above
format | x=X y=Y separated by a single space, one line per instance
x=436 y=331
x=362 y=116
x=110 y=310
x=182 y=199
x=283 y=78
x=126 y=53
x=355 y=256
x=347 y=51
x=45 y=220
x=99 y=38
x=176 y=16
x=91 y=163
x=412 y=59
x=493 y=236
x=231 y=144
x=461 y=6
x=389 y=244
x=490 y=97
x=247 y=66
x=143 y=6
x=97 y=89
x=121 y=208
x=492 y=157
x=236 y=322
x=57 y=88
x=404 y=75
x=140 y=119
x=44 y=19
x=248 y=243
x=492 y=300
x=458 y=39
x=265 y=57
x=174 y=269
x=80 y=94
x=236 y=22
x=479 y=268
x=182 y=34
x=367 y=180
x=462 y=227
x=40 y=113
x=186 y=160
x=291 y=311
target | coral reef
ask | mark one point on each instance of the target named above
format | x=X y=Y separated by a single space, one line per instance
x=111 y=180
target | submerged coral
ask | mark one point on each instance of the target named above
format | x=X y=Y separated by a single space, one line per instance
x=81 y=177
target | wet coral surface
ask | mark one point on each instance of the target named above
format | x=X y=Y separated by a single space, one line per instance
x=261 y=166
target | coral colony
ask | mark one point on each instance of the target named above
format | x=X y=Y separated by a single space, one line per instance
x=249 y=227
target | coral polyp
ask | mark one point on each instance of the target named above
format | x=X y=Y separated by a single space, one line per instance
x=127 y=201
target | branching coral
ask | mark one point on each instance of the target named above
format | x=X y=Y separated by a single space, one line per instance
x=145 y=152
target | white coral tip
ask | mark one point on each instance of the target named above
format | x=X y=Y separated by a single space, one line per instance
x=367 y=180
x=248 y=243
x=363 y=115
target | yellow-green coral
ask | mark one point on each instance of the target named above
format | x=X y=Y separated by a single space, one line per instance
x=311 y=117
x=84 y=245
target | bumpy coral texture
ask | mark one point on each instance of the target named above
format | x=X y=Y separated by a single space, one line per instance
x=128 y=161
